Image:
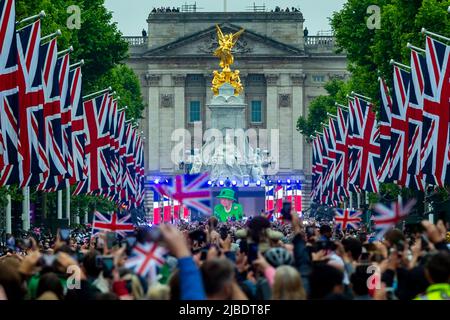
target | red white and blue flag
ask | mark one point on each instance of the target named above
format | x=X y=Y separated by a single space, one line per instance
x=112 y=223
x=9 y=98
x=346 y=218
x=387 y=218
x=31 y=102
x=192 y=191
x=146 y=258
x=436 y=113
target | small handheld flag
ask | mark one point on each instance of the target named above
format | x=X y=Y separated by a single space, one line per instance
x=347 y=218
x=387 y=218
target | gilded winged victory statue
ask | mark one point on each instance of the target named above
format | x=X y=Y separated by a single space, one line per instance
x=223 y=52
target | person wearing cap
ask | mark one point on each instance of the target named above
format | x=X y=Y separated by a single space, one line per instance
x=227 y=209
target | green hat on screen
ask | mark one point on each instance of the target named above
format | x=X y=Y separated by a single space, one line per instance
x=226 y=194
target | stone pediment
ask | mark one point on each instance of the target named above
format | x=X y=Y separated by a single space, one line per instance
x=204 y=43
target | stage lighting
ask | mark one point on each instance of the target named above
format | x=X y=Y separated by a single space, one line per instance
x=166 y=181
x=246 y=183
x=288 y=181
x=233 y=183
x=156 y=181
x=269 y=182
x=258 y=183
x=221 y=183
x=209 y=182
x=279 y=181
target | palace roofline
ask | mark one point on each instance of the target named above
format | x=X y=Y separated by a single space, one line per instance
x=221 y=17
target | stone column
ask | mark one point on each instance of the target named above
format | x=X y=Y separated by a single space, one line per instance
x=272 y=101
x=298 y=149
x=272 y=118
x=153 y=121
x=208 y=96
x=179 y=82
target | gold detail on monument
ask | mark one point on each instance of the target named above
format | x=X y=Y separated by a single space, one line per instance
x=223 y=52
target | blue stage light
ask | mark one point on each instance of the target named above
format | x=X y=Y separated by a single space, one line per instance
x=288 y=181
x=258 y=183
x=269 y=182
x=221 y=183
x=156 y=181
x=279 y=181
x=246 y=183
x=209 y=182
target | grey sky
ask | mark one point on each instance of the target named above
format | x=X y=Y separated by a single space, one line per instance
x=131 y=15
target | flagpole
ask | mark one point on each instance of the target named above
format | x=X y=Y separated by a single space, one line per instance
x=68 y=204
x=398 y=64
x=8 y=213
x=55 y=34
x=80 y=63
x=410 y=46
x=59 y=204
x=124 y=108
x=97 y=93
x=340 y=105
x=351 y=200
x=35 y=17
x=331 y=115
x=70 y=49
x=425 y=31
x=86 y=217
x=26 y=209
x=353 y=93
x=358 y=198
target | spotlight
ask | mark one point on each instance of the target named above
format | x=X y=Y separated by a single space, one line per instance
x=166 y=181
x=221 y=183
x=233 y=183
x=156 y=181
x=270 y=182
x=209 y=182
x=246 y=183
x=297 y=181
x=279 y=181
x=288 y=181
x=258 y=183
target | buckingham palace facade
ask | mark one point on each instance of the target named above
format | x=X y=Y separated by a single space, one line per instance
x=280 y=68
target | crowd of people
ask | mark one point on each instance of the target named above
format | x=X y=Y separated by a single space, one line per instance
x=278 y=9
x=253 y=259
x=165 y=10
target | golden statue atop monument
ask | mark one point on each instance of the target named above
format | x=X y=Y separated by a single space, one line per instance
x=223 y=52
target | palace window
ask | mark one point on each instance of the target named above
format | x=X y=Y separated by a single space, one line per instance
x=194 y=111
x=256 y=111
x=318 y=78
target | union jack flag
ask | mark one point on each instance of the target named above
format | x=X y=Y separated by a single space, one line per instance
x=52 y=116
x=146 y=258
x=385 y=132
x=341 y=172
x=388 y=218
x=31 y=100
x=329 y=178
x=365 y=139
x=78 y=134
x=96 y=145
x=416 y=178
x=399 y=126
x=346 y=218
x=9 y=103
x=112 y=223
x=436 y=113
x=191 y=191
x=358 y=110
